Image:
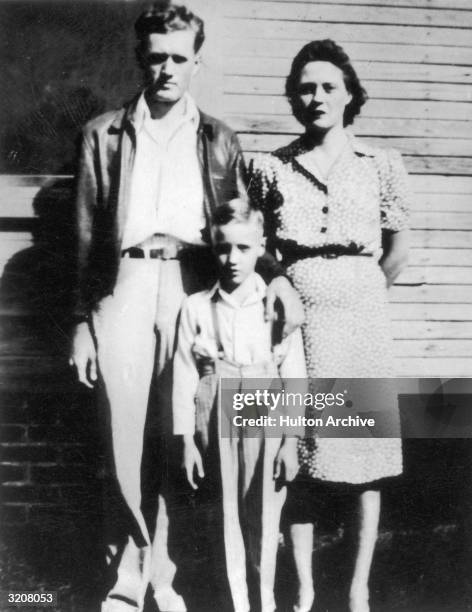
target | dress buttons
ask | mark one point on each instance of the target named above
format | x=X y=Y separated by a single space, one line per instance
x=324 y=209
x=323 y=230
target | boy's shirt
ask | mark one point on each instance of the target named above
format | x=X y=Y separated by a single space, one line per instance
x=244 y=334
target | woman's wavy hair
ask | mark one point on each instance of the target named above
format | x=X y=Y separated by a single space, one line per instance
x=325 y=51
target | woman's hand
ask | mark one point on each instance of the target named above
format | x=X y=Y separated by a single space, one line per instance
x=293 y=312
x=286 y=461
x=395 y=254
x=191 y=460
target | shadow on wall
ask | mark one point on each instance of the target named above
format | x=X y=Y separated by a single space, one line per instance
x=44 y=141
x=41 y=278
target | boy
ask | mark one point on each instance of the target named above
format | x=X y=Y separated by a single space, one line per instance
x=223 y=333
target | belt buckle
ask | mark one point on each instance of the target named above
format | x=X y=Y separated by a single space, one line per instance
x=156 y=253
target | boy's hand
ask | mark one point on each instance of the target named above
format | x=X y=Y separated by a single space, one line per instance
x=192 y=459
x=287 y=457
x=293 y=310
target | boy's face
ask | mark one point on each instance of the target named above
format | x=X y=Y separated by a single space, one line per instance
x=237 y=246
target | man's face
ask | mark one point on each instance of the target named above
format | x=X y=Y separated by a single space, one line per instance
x=169 y=61
x=237 y=246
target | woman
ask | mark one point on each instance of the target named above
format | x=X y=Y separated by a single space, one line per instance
x=335 y=209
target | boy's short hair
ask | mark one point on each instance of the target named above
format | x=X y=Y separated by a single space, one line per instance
x=164 y=16
x=237 y=210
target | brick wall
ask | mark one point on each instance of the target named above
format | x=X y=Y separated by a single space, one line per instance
x=49 y=451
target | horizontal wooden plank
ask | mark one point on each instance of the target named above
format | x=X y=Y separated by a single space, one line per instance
x=17 y=201
x=344 y=32
x=443 y=367
x=386 y=127
x=454 y=166
x=34 y=180
x=431 y=330
x=394 y=109
x=440 y=294
x=440 y=257
x=441 y=184
x=453 y=202
x=441 y=239
x=433 y=348
x=377 y=89
x=302 y=11
x=430 y=312
x=280 y=67
x=409 y=146
x=442 y=220
x=427 y=4
x=11 y=244
x=374 y=52
x=15 y=238
x=439 y=275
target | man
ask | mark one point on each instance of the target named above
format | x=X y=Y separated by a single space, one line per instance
x=151 y=175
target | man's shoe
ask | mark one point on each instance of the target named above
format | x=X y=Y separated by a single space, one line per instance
x=169 y=600
x=112 y=604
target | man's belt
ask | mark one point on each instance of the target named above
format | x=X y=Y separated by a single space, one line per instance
x=292 y=252
x=162 y=247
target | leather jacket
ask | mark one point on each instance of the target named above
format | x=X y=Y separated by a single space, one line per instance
x=103 y=179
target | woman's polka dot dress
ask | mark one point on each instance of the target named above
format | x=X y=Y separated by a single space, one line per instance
x=346 y=331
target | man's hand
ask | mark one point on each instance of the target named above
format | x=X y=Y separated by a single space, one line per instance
x=83 y=355
x=287 y=457
x=293 y=311
x=191 y=460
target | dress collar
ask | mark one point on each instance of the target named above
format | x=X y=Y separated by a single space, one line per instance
x=304 y=144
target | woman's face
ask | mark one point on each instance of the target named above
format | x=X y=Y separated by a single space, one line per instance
x=323 y=95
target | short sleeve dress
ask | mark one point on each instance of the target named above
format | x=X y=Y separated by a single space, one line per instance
x=346 y=331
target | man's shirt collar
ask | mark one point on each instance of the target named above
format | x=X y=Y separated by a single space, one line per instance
x=139 y=113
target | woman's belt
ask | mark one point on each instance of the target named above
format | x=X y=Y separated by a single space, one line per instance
x=294 y=252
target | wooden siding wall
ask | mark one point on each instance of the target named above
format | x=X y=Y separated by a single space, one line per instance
x=415 y=60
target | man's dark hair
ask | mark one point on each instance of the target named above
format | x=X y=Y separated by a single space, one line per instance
x=325 y=51
x=163 y=16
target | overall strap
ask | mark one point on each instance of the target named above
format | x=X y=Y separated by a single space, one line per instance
x=216 y=327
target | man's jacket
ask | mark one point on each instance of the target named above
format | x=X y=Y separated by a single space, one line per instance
x=102 y=192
